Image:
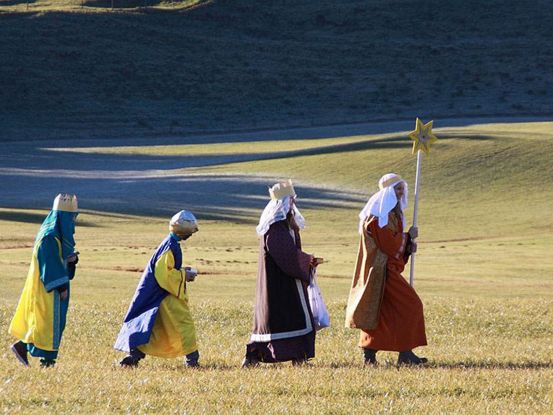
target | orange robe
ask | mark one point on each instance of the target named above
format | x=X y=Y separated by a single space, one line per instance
x=401 y=320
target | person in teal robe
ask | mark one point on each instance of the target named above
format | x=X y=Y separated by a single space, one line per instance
x=40 y=317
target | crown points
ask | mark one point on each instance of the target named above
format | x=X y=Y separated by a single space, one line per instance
x=281 y=190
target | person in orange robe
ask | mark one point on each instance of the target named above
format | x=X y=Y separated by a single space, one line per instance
x=382 y=304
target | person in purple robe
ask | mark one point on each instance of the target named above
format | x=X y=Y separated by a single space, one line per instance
x=283 y=328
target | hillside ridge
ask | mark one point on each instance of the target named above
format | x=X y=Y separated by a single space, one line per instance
x=235 y=66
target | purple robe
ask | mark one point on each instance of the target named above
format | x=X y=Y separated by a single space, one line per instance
x=283 y=323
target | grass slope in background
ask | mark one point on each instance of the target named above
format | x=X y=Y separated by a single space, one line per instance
x=71 y=71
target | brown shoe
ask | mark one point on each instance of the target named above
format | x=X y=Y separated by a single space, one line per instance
x=20 y=351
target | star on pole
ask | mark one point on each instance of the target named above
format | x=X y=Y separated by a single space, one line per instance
x=422 y=137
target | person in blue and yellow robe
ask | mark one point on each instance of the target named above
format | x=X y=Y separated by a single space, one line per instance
x=159 y=322
x=40 y=317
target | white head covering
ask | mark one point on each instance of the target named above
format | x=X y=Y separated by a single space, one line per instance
x=382 y=202
x=277 y=208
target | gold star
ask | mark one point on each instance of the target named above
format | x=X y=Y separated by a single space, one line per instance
x=422 y=136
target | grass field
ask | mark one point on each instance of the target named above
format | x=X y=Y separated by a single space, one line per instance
x=484 y=273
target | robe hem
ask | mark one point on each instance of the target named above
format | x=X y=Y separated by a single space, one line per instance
x=56 y=283
x=265 y=337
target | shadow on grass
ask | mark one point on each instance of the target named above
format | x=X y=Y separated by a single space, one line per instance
x=121 y=4
x=234 y=198
x=535 y=365
x=15 y=2
x=385 y=365
x=156 y=185
x=133 y=4
x=390 y=364
x=25 y=217
x=176 y=366
x=144 y=184
x=471 y=137
x=238 y=366
x=117 y=162
x=211 y=366
x=38 y=218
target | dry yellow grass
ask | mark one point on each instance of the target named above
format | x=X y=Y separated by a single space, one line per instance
x=487 y=291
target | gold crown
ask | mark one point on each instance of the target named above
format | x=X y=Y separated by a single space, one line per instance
x=66 y=202
x=282 y=189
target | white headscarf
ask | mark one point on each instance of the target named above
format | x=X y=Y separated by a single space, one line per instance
x=276 y=210
x=382 y=202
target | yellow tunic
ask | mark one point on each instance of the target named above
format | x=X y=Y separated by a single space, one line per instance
x=38 y=314
x=173 y=333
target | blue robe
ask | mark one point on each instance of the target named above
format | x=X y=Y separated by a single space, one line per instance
x=158 y=321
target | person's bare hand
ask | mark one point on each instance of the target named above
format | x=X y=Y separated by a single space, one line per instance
x=315 y=261
x=190 y=274
x=64 y=294
x=413 y=247
x=413 y=232
x=73 y=258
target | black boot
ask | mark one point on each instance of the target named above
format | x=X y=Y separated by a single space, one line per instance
x=250 y=360
x=410 y=358
x=300 y=362
x=47 y=362
x=20 y=351
x=192 y=359
x=370 y=357
x=132 y=359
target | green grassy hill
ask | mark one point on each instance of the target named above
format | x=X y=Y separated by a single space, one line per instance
x=76 y=68
x=478 y=173
x=484 y=273
x=485 y=199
